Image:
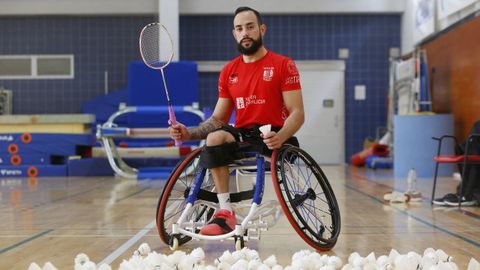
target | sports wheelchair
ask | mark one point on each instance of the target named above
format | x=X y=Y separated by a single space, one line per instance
x=189 y=200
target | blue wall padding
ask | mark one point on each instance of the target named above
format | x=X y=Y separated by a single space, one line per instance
x=414 y=147
x=43 y=170
x=161 y=119
x=145 y=88
x=26 y=159
x=104 y=106
x=157 y=173
x=53 y=149
x=145 y=85
x=89 y=167
x=46 y=138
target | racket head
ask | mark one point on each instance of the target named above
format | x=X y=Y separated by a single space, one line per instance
x=156 y=45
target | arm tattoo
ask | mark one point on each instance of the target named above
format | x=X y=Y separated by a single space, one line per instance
x=207 y=126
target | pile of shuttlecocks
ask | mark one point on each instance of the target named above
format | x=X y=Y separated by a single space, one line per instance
x=248 y=259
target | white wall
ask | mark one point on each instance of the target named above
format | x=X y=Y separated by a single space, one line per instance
x=464 y=9
x=407 y=28
x=190 y=7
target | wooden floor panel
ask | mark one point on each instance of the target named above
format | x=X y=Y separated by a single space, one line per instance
x=54 y=219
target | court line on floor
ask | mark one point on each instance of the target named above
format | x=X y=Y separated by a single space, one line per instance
x=132 y=194
x=24 y=241
x=476 y=244
x=119 y=251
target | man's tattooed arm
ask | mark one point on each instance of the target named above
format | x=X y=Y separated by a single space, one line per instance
x=207 y=126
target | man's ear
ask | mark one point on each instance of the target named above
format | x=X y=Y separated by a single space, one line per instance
x=263 y=28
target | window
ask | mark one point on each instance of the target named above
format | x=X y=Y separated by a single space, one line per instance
x=17 y=67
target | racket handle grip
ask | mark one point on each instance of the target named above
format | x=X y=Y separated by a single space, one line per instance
x=173 y=121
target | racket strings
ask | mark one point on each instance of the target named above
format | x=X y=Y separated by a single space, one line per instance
x=153 y=37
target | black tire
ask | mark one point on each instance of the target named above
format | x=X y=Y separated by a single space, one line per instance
x=306 y=197
x=174 y=195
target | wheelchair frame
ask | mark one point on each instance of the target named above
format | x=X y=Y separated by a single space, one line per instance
x=196 y=197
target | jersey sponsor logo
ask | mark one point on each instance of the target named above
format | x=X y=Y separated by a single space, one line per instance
x=243 y=103
x=233 y=79
x=292 y=79
x=268 y=73
x=292 y=68
x=240 y=103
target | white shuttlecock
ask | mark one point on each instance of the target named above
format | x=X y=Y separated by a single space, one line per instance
x=223 y=266
x=371 y=258
x=81 y=259
x=270 y=261
x=405 y=262
x=382 y=261
x=352 y=257
x=226 y=257
x=187 y=263
x=144 y=249
x=327 y=267
x=252 y=255
x=253 y=265
x=89 y=266
x=447 y=266
x=176 y=257
x=239 y=255
x=347 y=267
x=263 y=267
x=241 y=264
x=428 y=250
x=393 y=254
x=277 y=267
x=34 y=266
x=359 y=261
x=154 y=259
x=300 y=254
x=473 y=265
x=265 y=129
x=198 y=254
x=167 y=266
x=49 y=266
x=335 y=262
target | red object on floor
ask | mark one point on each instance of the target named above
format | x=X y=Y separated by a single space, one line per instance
x=360 y=158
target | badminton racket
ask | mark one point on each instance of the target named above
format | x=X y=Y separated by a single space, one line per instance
x=156 y=48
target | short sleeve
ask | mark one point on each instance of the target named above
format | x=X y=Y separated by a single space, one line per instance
x=290 y=76
x=223 y=84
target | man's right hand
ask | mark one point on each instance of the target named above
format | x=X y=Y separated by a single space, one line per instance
x=179 y=132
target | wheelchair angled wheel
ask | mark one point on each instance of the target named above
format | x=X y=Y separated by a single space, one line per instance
x=306 y=197
x=174 y=199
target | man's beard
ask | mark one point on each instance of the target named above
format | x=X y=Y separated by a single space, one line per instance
x=256 y=44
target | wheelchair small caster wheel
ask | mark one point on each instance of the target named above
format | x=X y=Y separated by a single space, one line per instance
x=173 y=243
x=239 y=242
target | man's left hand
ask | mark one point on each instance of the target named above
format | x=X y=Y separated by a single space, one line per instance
x=273 y=140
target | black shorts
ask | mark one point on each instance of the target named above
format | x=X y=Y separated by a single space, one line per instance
x=249 y=139
x=246 y=140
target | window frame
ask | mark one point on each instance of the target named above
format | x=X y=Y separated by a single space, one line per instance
x=34 y=66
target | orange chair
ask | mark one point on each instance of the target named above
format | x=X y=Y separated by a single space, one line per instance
x=465 y=159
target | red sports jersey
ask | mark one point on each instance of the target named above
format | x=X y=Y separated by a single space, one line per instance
x=257 y=87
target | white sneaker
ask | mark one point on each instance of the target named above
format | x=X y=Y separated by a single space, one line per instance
x=396 y=197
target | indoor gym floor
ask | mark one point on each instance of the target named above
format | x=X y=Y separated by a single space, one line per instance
x=54 y=219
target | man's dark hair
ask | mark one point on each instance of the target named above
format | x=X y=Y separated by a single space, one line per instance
x=243 y=9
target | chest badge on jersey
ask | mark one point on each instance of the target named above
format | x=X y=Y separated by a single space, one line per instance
x=233 y=79
x=268 y=73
